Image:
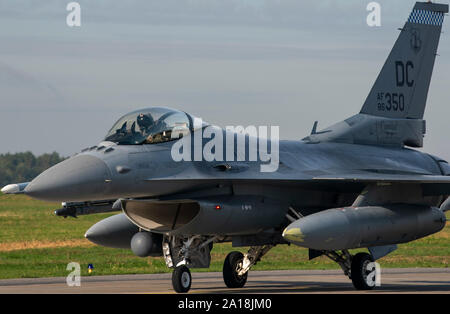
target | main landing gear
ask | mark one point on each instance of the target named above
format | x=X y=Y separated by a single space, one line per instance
x=237 y=265
x=360 y=268
x=232 y=275
x=182 y=253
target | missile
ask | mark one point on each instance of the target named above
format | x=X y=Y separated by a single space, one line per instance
x=356 y=227
x=85 y=208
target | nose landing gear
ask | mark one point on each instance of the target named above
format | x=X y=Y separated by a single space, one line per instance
x=182 y=253
x=181 y=279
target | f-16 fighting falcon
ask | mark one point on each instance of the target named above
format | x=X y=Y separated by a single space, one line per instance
x=356 y=184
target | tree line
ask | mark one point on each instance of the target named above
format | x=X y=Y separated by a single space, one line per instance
x=24 y=167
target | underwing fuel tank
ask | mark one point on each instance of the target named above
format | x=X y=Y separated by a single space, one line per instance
x=355 y=227
x=115 y=231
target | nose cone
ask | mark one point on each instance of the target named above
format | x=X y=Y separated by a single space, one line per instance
x=79 y=178
x=293 y=234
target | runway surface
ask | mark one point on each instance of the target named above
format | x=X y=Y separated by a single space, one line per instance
x=411 y=280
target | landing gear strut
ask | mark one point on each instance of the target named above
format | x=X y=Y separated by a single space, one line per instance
x=182 y=253
x=237 y=265
x=358 y=267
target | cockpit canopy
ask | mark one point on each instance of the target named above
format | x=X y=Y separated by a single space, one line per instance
x=150 y=126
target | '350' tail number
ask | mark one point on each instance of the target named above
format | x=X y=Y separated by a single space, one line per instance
x=391 y=102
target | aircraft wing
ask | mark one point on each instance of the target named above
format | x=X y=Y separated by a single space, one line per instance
x=434 y=184
x=388 y=178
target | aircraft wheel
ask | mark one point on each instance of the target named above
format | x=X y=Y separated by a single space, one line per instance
x=181 y=279
x=360 y=272
x=232 y=263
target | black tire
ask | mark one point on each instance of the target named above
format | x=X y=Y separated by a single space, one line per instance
x=181 y=279
x=359 y=272
x=230 y=273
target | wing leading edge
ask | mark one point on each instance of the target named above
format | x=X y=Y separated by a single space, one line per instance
x=349 y=177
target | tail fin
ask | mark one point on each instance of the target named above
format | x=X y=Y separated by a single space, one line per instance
x=393 y=112
x=401 y=88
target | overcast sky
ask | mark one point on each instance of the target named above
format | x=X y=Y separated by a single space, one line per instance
x=230 y=62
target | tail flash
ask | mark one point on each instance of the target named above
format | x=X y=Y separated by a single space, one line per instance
x=401 y=88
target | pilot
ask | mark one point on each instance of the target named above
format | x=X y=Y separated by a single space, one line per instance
x=155 y=138
x=149 y=139
x=144 y=121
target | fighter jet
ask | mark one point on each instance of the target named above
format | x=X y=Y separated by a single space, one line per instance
x=359 y=183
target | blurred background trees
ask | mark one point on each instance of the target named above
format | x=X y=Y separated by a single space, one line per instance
x=23 y=167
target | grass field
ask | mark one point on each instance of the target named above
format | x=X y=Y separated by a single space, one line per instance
x=36 y=243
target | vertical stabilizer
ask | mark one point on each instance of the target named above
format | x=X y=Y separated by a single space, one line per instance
x=401 y=88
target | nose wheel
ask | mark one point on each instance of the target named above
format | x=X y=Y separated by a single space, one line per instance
x=181 y=279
